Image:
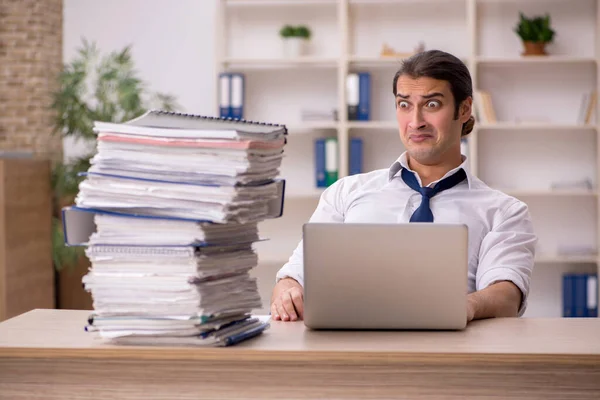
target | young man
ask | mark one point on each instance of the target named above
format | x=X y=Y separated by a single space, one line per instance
x=429 y=182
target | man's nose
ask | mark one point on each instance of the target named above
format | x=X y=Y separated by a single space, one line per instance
x=417 y=122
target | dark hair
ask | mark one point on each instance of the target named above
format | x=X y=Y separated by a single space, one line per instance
x=442 y=66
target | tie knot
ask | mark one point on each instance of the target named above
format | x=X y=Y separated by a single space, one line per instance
x=427 y=192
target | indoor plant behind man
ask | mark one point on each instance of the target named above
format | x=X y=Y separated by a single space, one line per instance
x=434 y=95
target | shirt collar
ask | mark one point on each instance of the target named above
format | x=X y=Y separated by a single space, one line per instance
x=402 y=162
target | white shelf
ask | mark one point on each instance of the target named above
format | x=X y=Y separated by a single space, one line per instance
x=372 y=125
x=255 y=3
x=534 y=60
x=382 y=62
x=279 y=63
x=361 y=62
x=379 y=2
x=519 y=193
x=534 y=126
x=560 y=259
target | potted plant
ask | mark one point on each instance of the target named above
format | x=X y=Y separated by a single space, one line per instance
x=294 y=40
x=91 y=88
x=535 y=33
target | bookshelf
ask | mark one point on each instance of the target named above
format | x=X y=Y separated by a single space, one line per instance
x=278 y=63
x=533 y=60
x=535 y=141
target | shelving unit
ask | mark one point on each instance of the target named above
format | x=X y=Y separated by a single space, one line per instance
x=508 y=126
x=278 y=63
x=524 y=194
x=537 y=98
x=533 y=60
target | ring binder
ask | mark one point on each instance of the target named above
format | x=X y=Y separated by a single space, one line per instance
x=159 y=112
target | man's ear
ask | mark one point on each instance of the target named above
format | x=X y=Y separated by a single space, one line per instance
x=466 y=109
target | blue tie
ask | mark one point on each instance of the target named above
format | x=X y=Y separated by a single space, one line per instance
x=423 y=213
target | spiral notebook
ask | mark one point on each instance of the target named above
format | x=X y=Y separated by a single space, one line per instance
x=168 y=124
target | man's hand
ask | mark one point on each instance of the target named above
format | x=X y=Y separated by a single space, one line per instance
x=287 y=302
x=470 y=308
x=501 y=299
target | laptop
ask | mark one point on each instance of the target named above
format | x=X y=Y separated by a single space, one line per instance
x=385 y=276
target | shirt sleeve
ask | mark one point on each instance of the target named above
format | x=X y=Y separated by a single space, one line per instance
x=507 y=252
x=331 y=208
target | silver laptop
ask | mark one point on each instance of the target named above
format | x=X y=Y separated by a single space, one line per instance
x=385 y=276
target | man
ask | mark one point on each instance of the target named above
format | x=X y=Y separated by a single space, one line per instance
x=429 y=182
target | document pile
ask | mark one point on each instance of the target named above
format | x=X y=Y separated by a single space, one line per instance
x=175 y=200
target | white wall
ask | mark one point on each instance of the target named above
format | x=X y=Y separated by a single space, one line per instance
x=173 y=48
x=172 y=44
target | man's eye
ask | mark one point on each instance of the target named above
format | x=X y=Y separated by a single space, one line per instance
x=402 y=104
x=433 y=104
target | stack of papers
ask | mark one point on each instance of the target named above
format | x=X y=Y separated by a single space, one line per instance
x=176 y=201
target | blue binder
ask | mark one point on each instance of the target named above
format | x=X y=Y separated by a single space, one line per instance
x=364 y=99
x=580 y=297
x=240 y=337
x=320 y=176
x=356 y=156
x=567 y=298
x=237 y=95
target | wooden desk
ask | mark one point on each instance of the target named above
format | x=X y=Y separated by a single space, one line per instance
x=45 y=354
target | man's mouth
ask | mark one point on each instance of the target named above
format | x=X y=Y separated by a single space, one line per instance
x=420 y=137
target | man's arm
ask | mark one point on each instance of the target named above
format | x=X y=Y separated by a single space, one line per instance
x=506 y=260
x=501 y=299
x=287 y=301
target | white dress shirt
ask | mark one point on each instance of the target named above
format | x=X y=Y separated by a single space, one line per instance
x=501 y=238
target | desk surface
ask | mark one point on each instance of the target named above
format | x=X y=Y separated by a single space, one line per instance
x=60 y=334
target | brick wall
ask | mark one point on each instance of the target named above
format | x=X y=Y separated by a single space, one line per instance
x=30 y=61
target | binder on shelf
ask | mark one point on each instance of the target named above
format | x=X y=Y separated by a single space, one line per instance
x=364 y=102
x=237 y=95
x=331 y=161
x=320 y=180
x=580 y=295
x=567 y=296
x=356 y=156
x=591 y=295
x=352 y=95
x=225 y=95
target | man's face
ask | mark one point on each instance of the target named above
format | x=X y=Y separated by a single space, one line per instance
x=425 y=114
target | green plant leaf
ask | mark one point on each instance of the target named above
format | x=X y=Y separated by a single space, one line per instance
x=303 y=32
x=92 y=87
x=534 y=29
x=63 y=256
x=287 y=31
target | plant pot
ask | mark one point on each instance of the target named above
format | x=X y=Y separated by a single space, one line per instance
x=534 y=49
x=294 y=47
